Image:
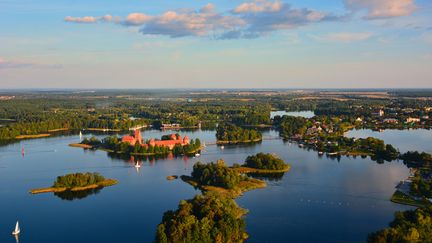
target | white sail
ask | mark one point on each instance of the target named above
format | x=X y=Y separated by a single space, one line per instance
x=17 y=229
x=80 y=135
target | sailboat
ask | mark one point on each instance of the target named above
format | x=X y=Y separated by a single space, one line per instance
x=137 y=165
x=80 y=136
x=17 y=229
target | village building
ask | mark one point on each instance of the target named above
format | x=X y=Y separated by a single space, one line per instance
x=174 y=140
x=412 y=119
x=378 y=113
x=391 y=120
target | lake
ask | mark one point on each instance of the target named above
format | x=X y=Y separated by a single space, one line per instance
x=318 y=200
x=305 y=114
x=404 y=140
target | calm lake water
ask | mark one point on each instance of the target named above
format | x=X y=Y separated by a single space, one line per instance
x=305 y=114
x=405 y=140
x=319 y=200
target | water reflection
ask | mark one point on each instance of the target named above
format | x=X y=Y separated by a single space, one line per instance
x=69 y=195
x=267 y=176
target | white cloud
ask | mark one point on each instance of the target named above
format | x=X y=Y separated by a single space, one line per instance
x=378 y=9
x=344 y=37
x=137 y=19
x=258 y=6
x=205 y=22
x=91 y=19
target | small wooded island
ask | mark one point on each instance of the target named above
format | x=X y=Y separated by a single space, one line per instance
x=77 y=182
x=231 y=134
x=215 y=216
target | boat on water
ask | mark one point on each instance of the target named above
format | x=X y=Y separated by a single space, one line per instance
x=17 y=229
x=222 y=147
x=137 y=165
x=197 y=155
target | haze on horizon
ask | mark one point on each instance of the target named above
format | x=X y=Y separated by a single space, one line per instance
x=223 y=44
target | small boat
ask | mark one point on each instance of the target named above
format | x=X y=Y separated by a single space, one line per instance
x=137 y=165
x=197 y=155
x=80 y=136
x=17 y=229
x=222 y=147
x=320 y=152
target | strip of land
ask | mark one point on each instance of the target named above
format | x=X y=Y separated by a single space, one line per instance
x=105 y=183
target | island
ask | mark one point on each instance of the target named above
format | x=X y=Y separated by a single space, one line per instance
x=231 y=134
x=77 y=182
x=215 y=216
x=205 y=218
x=135 y=144
x=263 y=164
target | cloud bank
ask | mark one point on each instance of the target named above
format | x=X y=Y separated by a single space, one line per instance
x=379 y=9
x=251 y=19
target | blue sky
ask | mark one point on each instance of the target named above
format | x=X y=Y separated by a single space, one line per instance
x=223 y=44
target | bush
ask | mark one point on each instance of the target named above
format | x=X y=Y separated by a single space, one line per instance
x=265 y=162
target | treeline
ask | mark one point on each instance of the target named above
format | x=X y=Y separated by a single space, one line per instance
x=78 y=180
x=408 y=226
x=206 y=218
x=265 y=162
x=12 y=130
x=374 y=147
x=415 y=159
x=230 y=133
x=289 y=126
x=216 y=174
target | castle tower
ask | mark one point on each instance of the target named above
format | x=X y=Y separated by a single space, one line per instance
x=137 y=136
x=186 y=140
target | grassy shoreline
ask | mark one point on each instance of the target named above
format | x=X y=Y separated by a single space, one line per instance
x=246 y=170
x=401 y=198
x=243 y=186
x=105 y=183
x=42 y=135
x=221 y=142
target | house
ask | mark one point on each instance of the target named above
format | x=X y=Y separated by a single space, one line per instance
x=378 y=113
x=412 y=119
x=391 y=120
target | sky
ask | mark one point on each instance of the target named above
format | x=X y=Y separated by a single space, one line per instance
x=215 y=44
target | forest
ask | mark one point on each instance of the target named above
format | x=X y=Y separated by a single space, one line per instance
x=216 y=174
x=265 y=162
x=203 y=219
x=230 y=133
x=409 y=226
x=78 y=180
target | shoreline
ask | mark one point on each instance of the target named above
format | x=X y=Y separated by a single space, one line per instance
x=246 y=170
x=105 y=183
x=243 y=186
x=41 y=135
x=220 y=142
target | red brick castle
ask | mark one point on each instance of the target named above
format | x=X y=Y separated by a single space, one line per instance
x=174 y=140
